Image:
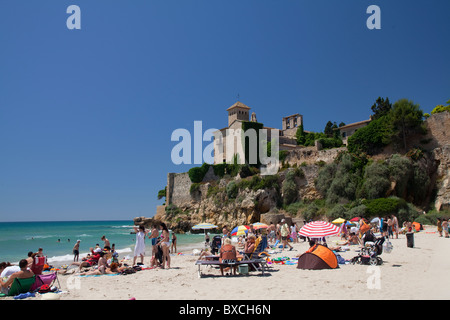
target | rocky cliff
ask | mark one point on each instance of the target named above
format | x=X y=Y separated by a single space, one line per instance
x=234 y=201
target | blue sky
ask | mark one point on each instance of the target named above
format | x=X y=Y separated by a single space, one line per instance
x=86 y=115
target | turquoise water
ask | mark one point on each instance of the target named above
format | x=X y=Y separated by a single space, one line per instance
x=58 y=238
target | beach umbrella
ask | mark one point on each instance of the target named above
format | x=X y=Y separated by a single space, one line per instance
x=338 y=221
x=260 y=225
x=204 y=226
x=319 y=229
x=240 y=230
x=375 y=220
x=355 y=219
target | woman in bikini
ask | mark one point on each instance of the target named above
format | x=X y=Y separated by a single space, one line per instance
x=165 y=245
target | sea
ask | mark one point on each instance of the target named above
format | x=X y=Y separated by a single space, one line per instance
x=57 y=239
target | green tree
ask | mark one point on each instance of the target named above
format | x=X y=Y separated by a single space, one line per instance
x=406 y=117
x=376 y=181
x=381 y=108
x=371 y=138
x=300 y=135
x=329 y=128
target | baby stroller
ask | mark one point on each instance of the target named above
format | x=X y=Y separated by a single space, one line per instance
x=370 y=253
x=216 y=243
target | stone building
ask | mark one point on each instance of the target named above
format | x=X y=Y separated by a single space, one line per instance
x=349 y=129
x=239 y=113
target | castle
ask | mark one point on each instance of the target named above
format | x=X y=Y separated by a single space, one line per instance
x=239 y=114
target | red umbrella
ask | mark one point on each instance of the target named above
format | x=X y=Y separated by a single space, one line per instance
x=355 y=219
x=319 y=229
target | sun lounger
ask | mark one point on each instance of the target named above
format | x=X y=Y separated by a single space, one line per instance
x=200 y=263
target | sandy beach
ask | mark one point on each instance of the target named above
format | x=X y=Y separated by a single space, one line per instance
x=407 y=273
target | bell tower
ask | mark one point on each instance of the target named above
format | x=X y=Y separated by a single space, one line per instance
x=238 y=111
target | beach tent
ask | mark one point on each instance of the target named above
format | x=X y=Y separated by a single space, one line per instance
x=417 y=226
x=316 y=258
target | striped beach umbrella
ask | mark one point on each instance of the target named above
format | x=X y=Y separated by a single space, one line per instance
x=260 y=225
x=240 y=230
x=319 y=229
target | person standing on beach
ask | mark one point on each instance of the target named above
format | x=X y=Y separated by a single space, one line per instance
x=439 y=226
x=395 y=226
x=284 y=232
x=76 y=251
x=106 y=241
x=154 y=237
x=139 y=249
x=445 y=227
x=174 y=243
x=165 y=245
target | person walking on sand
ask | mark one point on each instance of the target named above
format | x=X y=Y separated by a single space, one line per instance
x=76 y=251
x=284 y=232
x=165 y=245
x=139 y=249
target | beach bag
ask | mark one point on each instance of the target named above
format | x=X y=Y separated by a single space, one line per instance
x=387 y=246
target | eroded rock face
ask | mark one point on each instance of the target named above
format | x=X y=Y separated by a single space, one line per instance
x=442 y=156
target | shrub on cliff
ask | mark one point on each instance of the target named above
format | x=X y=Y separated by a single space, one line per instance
x=339 y=180
x=372 y=138
x=197 y=174
x=384 y=206
x=289 y=188
x=232 y=190
x=376 y=181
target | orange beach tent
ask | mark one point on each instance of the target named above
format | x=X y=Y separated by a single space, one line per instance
x=417 y=226
x=317 y=257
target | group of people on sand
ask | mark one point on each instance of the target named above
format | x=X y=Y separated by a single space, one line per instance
x=443 y=226
x=162 y=245
x=104 y=259
x=27 y=268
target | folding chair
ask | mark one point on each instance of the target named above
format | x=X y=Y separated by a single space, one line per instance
x=48 y=279
x=21 y=286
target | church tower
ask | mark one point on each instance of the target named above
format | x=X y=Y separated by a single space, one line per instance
x=238 y=111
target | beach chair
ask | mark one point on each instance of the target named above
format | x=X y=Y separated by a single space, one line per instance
x=49 y=279
x=255 y=257
x=21 y=286
x=217 y=263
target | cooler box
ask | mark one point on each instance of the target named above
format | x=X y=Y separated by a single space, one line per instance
x=243 y=269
